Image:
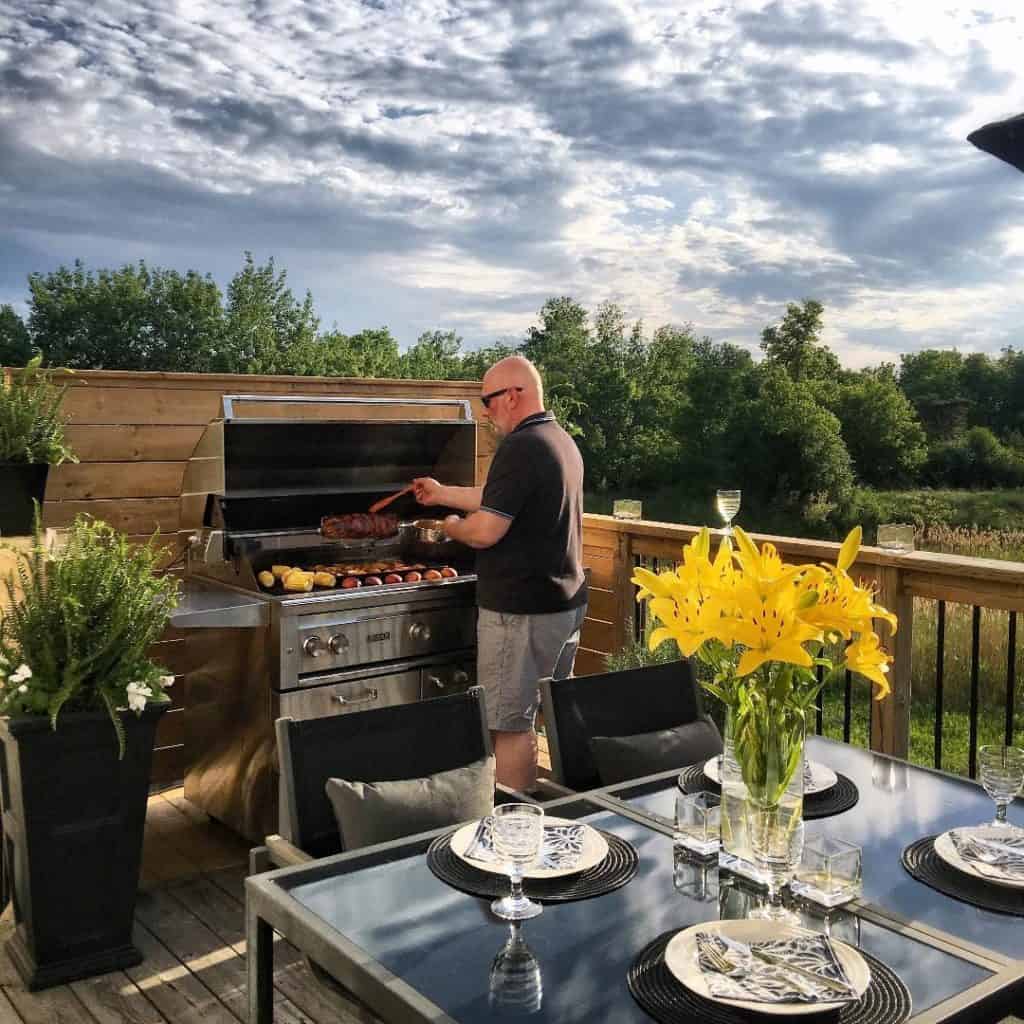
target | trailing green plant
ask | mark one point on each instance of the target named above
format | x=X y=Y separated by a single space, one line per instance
x=78 y=625
x=31 y=425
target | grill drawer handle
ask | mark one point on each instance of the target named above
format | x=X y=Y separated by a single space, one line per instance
x=368 y=698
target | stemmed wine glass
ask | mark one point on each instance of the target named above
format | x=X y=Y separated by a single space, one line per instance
x=517 y=833
x=777 y=839
x=1002 y=775
x=728 y=505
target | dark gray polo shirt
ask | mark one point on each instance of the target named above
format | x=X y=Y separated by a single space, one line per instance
x=536 y=482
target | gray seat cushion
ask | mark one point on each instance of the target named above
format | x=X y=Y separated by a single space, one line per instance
x=620 y=758
x=375 y=812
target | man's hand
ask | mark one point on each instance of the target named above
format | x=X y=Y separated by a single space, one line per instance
x=427 y=490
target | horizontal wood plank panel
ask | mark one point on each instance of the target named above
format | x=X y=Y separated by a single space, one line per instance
x=171 y=654
x=141 y=406
x=987 y=594
x=168 y=765
x=114 y=480
x=601 y=604
x=597 y=635
x=602 y=570
x=132 y=442
x=171 y=730
x=589 y=663
x=130 y=515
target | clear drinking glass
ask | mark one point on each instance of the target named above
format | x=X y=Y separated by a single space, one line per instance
x=829 y=872
x=728 y=503
x=776 y=836
x=698 y=822
x=1002 y=775
x=515 y=982
x=517 y=832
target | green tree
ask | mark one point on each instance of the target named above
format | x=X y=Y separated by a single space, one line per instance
x=477 y=362
x=15 y=344
x=795 y=344
x=267 y=329
x=881 y=430
x=370 y=353
x=931 y=375
x=437 y=355
x=133 y=318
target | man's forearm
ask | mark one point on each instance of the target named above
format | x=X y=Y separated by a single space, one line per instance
x=466 y=499
x=472 y=531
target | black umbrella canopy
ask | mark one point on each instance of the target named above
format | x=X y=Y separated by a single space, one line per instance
x=1004 y=139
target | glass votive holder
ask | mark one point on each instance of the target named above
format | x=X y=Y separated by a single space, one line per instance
x=627 y=508
x=829 y=872
x=897 y=537
x=694 y=877
x=698 y=822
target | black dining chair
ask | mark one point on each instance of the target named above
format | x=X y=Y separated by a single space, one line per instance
x=582 y=712
x=406 y=741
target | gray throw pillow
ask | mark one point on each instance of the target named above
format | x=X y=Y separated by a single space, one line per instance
x=374 y=812
x=620 y=758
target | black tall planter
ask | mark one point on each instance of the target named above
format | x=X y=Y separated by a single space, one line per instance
x=20 y=483
x=73 y=818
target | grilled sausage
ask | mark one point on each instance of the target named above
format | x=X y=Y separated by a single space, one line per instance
x=432 y=574
x=413 y=577
x=372 y=581
x=351 y=581
x=392 y=577
x=448 y=572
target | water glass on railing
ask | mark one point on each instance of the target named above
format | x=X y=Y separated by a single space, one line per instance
x=1002 y=774
x=517 y=833
x=728 y=503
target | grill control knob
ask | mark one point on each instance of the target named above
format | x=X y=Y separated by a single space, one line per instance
x=419 y=631
x=435 y=681
x=460 y=678
x=313 y=647
x=338 y=643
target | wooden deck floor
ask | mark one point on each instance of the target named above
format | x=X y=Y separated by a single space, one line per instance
x=190 y=926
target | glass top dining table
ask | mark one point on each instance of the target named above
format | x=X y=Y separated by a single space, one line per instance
x=415 y=949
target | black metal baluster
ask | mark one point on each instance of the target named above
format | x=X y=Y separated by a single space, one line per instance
x=847 y=706
x=639 y=608
x=940 y=666
x=972 y=752
x=1011 y=676
x=819 y=704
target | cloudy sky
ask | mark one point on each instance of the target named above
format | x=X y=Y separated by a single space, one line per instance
x=452 y=163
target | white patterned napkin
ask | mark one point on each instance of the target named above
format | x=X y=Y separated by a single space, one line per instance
x=757 y=981
x=561 y=847
x=1001 y=857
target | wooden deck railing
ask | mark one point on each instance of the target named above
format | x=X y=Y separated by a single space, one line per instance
x=612 y=548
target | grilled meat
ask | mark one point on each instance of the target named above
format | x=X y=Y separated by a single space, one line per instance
x=360 y=526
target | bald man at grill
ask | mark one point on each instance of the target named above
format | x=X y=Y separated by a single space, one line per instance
x=526 y=524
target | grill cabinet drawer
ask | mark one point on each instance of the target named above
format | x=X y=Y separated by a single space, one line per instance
x=355 y=695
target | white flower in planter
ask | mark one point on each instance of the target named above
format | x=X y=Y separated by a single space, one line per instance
x=137 y=695
x=166 y=681
x=21 y=673
x=23 y=688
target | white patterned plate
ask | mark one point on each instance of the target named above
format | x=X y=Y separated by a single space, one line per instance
x=947 y=851
x=595 y=849
x=822 y=777
x=681 y=960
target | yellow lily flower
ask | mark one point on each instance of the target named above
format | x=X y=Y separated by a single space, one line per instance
x=689 y=622
x=772 y=630
x=764 y=569
x=866 y=657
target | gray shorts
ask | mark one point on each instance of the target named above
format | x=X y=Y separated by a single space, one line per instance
x=514 y=652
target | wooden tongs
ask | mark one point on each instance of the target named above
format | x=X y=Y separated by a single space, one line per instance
x=384 y=502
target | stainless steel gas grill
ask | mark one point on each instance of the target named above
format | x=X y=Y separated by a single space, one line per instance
x=393 y=621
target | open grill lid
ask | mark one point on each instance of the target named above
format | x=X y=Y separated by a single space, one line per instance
x=280 y=463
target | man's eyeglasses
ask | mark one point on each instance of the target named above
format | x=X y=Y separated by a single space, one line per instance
x=486 y=399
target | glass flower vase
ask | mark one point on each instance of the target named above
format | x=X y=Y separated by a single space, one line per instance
x=765 y=776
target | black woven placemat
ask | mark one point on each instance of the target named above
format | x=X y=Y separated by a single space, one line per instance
x=614 y=871
x=924 y=864
x=885 y=1001
x=841 y=797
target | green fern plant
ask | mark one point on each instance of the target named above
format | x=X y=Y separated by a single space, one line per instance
x=78 y=623
x=31 y=425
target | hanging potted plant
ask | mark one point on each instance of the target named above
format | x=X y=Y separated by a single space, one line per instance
x=31 y=441
x=81 y=700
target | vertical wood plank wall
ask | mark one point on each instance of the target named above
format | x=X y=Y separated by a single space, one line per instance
x=134 y=433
